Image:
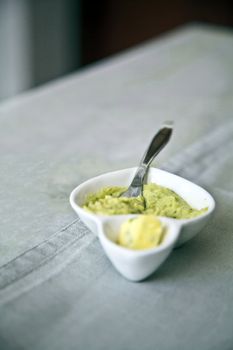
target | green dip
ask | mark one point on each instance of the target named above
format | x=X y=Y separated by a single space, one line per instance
x=159 y=201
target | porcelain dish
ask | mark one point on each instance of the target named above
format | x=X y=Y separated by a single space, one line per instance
x=195 y=195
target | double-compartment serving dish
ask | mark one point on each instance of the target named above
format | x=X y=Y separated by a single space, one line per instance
x=137 y=265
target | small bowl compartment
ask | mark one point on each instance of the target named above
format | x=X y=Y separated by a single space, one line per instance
x=135 y=265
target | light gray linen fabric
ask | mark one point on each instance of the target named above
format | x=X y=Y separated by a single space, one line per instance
x=57 y=288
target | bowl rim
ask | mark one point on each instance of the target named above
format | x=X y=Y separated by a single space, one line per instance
x=97 y=217
x=172 y=226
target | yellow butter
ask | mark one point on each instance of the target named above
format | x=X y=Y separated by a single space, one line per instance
x=142 y=232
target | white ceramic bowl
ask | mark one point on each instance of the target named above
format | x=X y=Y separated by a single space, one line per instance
x=135 y=265
x=196 y=196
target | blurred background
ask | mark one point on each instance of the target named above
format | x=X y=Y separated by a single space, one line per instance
x=41 y=40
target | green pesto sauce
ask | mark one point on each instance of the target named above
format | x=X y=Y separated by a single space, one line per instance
x=157 y=200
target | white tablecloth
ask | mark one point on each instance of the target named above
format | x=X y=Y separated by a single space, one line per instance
x=57 y=288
